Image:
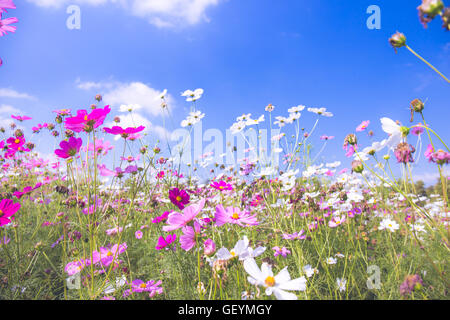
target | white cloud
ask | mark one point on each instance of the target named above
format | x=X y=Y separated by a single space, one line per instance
x=5 y=115
x=10 y=93
x=161 y=13
x=137 y=93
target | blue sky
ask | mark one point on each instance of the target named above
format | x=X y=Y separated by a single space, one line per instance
x=244 y=54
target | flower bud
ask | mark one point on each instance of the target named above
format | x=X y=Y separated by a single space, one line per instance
x=405 y=131
x=357 y=166
x=350 y=139
x=416 y=106
x=58 y=119
x=397 y=40
x=429 y=9
x=117 y=119
x=98 y=97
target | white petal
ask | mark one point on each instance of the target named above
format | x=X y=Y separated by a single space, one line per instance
x=253 y=270
x=283 y=295
x=298 y=284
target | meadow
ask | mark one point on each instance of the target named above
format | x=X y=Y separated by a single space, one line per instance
x=278 y=224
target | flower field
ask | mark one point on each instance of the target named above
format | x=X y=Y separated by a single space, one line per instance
x=116 y=216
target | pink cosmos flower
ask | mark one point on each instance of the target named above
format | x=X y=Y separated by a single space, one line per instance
x=280 y=251
x=123 y=132
x=325 y=137
x=63 y=112
x=234 y=216
x=101 y=147
x=114 y=231
x=177 y=220
x=69 y=148
x=108 y=255
x=188 y=239
x=16 y=143
x=222 y=186
x=336 y=221
x=5 y=27
x=6 y=4
x=179 y=197
x=164 y=242
x=7 y=209
x=209 y=247
x=363 y=126
x=296 y=235
x=75 y=267
x=138 y=286
x=138 y=234
x=87 y=122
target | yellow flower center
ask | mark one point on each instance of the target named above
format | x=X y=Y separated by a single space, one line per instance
x=109 y=254
x=178 y=198
x=235 y=216
x=1 y=213
x=270 y=281
x=221 y=187
x=17 y=141
x=233 y=253
x=85 y=118
x=143 y=285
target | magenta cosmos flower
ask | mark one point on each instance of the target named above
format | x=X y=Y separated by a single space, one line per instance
x=5 y=27
x=108 y=255
x=234 y=216
x=26 y=190
x=6 y=4
x=7 y=209
x=87 y=122
x=164 y=242
x=69 y=148
x=178 y=220
x=222 y=186
x=125 y=133
x=179 y=197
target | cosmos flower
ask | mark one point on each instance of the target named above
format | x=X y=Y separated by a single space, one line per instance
x=222 y=186
x=6 y=4
x=5 y=28
x=189 y=237
x=280 y=251
x=389 y=224
x=7 y=210
x=87 y=122
x=179 y=197
x=69 y=148
x=164 y=242
x=241 y=250
x=234 y=216
x=279 y=284
x=178 y=220
x=363 y=126
x=125 y=133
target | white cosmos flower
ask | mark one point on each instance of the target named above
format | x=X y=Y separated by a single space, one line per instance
x=244 y=117
x=331 y=260
x=393 y=130
x=162 y=95
x=389 y=224
x=266 y=172
x=193 y=95
x=296 y=109
x=293 y=117
x=320 y=111
x=129 y=107
x=281 y=121
x=241 y=250
x=237 y=127
x=310 y=271
x=341 y=284
x=251 y=122
x=274 y=284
